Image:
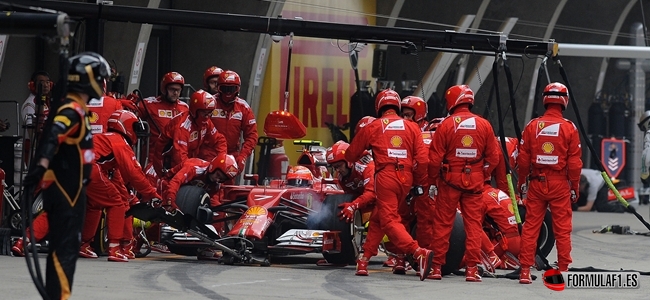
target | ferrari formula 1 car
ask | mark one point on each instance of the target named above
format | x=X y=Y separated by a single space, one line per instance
x=264 y=220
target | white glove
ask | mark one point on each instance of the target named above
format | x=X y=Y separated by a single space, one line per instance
x=433 y=191
x=574 y=196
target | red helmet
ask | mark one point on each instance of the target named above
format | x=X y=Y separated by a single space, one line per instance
x=169 y=78
x=386 y=98
x=459 y=94
x=418 y=105
x=209 y=73
x=123 y=122
x=201 y=100
x=363 y=122
x=433 y=124
x=336 y=152
x=299 y=176
x=228 y=85
x=225 y=163
x=556 y=93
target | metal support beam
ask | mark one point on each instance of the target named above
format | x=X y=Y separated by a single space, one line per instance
x=591 y=50
x=637 y=86
x=140 y=51
x=279 y=26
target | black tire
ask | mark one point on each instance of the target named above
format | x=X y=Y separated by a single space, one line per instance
x=100 y=242
x=456 y=249
x=189 y=198
x=546 y=239
x=327 y=219
x=456 y=246
x=37 y=206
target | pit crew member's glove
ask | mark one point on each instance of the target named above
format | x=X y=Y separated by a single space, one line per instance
x=523 y=190
x=574 y=196
x=34 y=176
x=347 y=211
x=433 y=191
x=417 y=190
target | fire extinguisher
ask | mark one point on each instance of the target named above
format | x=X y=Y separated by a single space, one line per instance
x=279 y=162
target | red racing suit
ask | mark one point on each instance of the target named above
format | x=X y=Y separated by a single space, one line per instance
x=114 y=158
x=498 y=206
x=232 y=120
x=462 y=153
x=191 y=170
x=183 y=138
x=360 y=182
x=395 y=145
x=550 y=158
x=157 y=112
x=100 y=110
x=424 y=206
x=499 y=172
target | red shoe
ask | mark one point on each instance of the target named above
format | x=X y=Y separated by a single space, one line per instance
x=524 y=276
x=362 y=267
x=472 y=275
x=436 y=273
x=400 y=265
x=127 y=249
x=494 y=260
x=18 y=248
x=425 y=260
x=115 y=254
x=390 y=261
x=86 y=251
x=509 y=261
x=208 y=254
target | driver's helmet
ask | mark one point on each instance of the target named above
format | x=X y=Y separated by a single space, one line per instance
x=299 y=176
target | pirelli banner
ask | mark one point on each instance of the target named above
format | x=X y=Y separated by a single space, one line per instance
x=322 y=81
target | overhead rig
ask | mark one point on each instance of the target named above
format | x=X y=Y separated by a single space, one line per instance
x=477 y=43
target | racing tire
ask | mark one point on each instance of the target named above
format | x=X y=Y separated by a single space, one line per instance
x=327 y=219
x=456 y=246
x=456 y=249
x=100 y=241
x=189 y=198
x=546 y=239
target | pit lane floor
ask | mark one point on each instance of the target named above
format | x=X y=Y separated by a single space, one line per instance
x=168 y=276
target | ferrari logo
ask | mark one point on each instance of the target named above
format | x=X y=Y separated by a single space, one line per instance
x=467 y=140
x=493 y=195
x=396 y=141
x=548 y=147
x=386 y=121
x=256 y=211
x=94 y=117
x=457 y=119
x=540 y=125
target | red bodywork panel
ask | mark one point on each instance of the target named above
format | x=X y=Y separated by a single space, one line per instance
x=283 y=125
x=261 y=200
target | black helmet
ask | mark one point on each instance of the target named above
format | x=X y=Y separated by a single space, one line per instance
x=87 y=73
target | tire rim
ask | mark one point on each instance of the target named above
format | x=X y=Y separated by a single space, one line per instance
x=16 y=221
